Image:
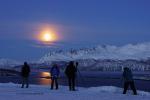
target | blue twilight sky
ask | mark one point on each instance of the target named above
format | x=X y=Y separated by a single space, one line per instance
x=78 y=23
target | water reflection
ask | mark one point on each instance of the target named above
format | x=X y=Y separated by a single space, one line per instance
x=45 y=78
x=45 y=74
x=42 y=81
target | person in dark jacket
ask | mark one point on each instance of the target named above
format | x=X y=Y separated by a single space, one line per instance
x=25 y=71
x=128 y=80
x=71 y=75
x=54 y=76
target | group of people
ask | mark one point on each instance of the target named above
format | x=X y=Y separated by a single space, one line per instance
x=71 y=73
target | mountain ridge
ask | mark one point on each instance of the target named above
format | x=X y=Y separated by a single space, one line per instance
x=129 y=51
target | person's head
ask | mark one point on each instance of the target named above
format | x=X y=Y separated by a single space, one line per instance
x=126 y=69
x=55 y=65
x=25 y=63
x=71 y=63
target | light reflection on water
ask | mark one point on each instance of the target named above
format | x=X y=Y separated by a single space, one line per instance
x=45 y=74
x=45 y=78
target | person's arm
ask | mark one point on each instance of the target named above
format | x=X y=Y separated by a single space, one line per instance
x=51 y=71
x=123 y=75
x=66 y=70
x=22 y=70
x=75 y=69
x=122 y=80
x=29 y=69
x=58 y=71
x=21 y=73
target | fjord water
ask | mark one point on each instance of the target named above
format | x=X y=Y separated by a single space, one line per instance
x=85 y=79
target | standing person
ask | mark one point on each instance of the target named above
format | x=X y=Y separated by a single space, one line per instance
x=25 y=71
x=71 y=75
x=77 y=64
x=54 y=76
x=128 y=80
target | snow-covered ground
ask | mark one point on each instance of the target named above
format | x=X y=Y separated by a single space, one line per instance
x=10 y=91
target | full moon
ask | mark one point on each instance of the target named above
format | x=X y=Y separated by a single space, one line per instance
x=47 y=37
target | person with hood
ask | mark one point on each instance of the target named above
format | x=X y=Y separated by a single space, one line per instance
x=54 y=76
x=71 y=75
x=25 y=71
x=128 y=80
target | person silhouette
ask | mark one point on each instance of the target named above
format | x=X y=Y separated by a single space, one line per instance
x=54 y=76
x=76 y=64
x=25 y=71
x=128 y=80
x=70 y=72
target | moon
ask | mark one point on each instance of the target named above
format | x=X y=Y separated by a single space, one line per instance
x=47 y=36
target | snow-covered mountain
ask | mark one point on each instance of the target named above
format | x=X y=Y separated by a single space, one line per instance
x=102 y=57
x=8 y=63
x=130 y=51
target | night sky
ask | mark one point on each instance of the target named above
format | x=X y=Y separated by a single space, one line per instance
x=78 y=23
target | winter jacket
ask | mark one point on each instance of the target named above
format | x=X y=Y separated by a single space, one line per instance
x=71 y=71
x=25 y=71
x=54 y=71
x=127 y=75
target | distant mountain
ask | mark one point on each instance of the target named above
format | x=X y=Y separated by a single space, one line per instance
x=130 y=51
x=102 y=58
x=8 y=63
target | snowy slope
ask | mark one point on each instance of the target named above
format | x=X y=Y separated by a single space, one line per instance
x=11 y=91
x=130 y=51
x=8 y=63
